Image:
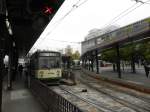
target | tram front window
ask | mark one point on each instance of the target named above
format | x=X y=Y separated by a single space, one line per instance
x=49 y=62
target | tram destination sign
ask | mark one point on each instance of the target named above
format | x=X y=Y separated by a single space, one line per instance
x=49 y=54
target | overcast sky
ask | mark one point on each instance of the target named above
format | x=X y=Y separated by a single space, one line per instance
x=92 y=14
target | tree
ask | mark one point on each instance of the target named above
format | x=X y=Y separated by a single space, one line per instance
x=109 y=55
x=76 y=55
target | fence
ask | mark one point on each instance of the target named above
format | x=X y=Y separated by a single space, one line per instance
x=51 y=101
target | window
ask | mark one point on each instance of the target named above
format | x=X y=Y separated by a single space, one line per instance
x=49 y=62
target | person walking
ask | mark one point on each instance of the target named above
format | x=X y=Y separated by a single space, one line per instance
x=20 y=69
x=146 y=67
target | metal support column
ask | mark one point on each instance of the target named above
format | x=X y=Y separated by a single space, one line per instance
x=13 y=60
x=9 y=78
x=118 y=61
x=92 y=65
x=1 y=76
x=89 y=62
x=85 y=62
x=97 y=65
x=92 y=62
x=2 y=48
x=133 y=64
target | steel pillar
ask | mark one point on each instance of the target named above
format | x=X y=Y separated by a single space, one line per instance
x=2 y=52
x=92 y=65
x=92 y=61
x=118 y=61
x=13 y=63
x=9 y=78
x=1 y=76
x=97 y=65
x=86 y=63
x=133 y=64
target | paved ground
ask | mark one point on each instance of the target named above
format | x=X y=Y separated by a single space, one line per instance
x=137 y=81
x=19 y=99
x=139 y=77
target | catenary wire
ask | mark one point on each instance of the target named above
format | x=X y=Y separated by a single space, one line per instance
x=127 y=13
x=75 y=6
x=113 y=20
x=120 y=14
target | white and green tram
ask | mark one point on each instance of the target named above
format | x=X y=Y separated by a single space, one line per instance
x=46 y=66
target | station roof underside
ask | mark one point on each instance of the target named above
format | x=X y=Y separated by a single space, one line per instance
x=27 y=24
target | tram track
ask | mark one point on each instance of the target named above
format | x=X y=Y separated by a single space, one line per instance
x=133 y=93
x=144 y=107
x=99 y=107
x=143 y=96
x=102 y=106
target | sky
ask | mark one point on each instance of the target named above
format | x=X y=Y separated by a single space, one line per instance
x=91 y=14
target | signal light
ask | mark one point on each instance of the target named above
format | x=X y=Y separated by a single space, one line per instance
x=47 y=10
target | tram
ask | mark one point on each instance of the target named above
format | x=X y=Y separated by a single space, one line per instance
x=46 y=66
x=76 y=64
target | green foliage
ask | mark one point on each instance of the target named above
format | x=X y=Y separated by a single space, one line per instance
x=141 y=49
x=109 y=55
x=146 y=52
x=76 y=55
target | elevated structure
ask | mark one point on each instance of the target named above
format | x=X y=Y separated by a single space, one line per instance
x=134 y=32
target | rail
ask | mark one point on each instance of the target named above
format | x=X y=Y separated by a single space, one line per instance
x=51 y=101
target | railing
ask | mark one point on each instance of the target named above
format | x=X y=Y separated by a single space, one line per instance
x=51 y=101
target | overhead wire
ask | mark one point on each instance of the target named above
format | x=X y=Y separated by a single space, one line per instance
x=74 y=6
x=62 y=18
x=118 y=17
x=141 y=1
x=126 y=13
x=66 y=41
x=120 y=14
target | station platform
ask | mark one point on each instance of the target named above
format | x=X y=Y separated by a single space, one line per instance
x=19 y=99
x=137 y=81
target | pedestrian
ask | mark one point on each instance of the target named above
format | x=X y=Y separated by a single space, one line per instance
x=146 y=67
x=20 y=69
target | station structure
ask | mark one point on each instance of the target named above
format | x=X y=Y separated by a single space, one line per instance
x=118 y=38
x=22 y=22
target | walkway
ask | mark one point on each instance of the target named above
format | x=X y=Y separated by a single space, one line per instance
x=139 y=77
x=19 y=99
